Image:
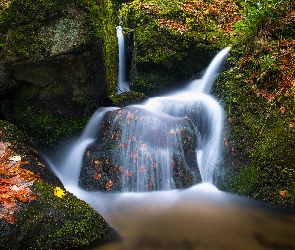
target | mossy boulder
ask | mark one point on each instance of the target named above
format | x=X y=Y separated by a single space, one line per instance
x=141 y=150
x=35 y=210
x=58 y=59
x=128 y=98
x=169 y=43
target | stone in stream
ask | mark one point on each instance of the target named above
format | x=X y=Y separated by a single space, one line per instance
x=140 y=150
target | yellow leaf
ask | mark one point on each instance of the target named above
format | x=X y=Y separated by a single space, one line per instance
x=59 y=192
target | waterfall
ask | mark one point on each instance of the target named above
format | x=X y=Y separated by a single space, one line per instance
x=123 y=86
x=151 y=167
x=206 y=115
x=205 y=84
x=71 y=159
x=195 y=103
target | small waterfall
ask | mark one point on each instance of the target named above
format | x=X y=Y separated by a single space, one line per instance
x=150 y=167
x=204 y=111
x=206 y=115
x=71 y=160
x=205 y=84
x=146 y=161
x=123 y=86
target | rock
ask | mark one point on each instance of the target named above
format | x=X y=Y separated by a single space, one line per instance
x=35 y=210
x=57 y=59
x=165 y=47
x=141 y=150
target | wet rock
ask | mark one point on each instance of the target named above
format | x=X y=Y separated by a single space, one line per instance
x=140 y=150
x=54 y=62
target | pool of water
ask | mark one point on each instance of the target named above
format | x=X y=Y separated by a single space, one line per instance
x=201 y=217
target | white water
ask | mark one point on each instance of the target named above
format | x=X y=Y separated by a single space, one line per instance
x=205 y=84
x=195 y=103
x=123 y=85
x=208 y=122
x=68 y=164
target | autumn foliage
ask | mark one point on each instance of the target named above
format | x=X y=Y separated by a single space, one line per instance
x=15 y=183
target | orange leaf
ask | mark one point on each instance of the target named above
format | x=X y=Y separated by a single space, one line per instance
x=10 y=219
x=97 y=176
x=282 y=110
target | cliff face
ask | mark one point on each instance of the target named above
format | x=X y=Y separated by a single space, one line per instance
x=58 y=60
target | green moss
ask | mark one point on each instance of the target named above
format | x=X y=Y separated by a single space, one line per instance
x=51 y=222
x=9 y=133
x=128 y=98
x=45 y=129
x=25 y=28
x=34 y=31
x=165 y=48
x=23 y=39
x=104 y=23
x=259 y=158
x=259 y=155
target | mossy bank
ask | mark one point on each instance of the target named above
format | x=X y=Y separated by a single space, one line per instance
x=35 y=210
x=257 y=92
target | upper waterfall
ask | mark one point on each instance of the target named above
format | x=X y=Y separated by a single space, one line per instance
x=123 y=85
x=204 y=85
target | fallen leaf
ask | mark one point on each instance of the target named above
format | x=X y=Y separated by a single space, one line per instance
x=282 y=110
x=59 y=192
x=97 y=176
x=15 y=158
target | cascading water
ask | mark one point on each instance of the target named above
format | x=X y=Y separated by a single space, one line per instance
x=71 y=159
x=206 y=115
x=204 y=85
x=200 y=217
x=123 y=85
x=151 y=167
x=203 y=110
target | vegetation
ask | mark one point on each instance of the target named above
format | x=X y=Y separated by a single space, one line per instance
x=35 y=214
x=128 y=98
x=46 y=130
x=257 y=91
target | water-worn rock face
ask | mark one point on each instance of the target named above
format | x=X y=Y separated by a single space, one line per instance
x=35 y=211
x=56 y=58
x=141 y=150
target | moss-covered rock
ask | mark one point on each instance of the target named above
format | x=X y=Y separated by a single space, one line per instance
x=169 y=42
x=58 y=59
x=128 y=98
x=35 y=211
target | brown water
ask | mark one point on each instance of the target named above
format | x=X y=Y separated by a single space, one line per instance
x=201 y=218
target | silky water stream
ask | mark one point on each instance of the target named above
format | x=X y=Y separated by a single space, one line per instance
x=200 y=217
